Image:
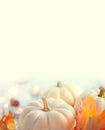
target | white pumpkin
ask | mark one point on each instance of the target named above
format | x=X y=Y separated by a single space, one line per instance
x=47 y=114
x=98 y=94
x=69 y=93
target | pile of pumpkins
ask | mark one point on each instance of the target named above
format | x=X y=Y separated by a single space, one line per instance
x=58 y=107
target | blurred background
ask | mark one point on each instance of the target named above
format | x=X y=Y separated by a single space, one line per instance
x=42 y=42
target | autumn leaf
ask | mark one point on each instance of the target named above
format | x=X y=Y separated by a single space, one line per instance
x=7 y=121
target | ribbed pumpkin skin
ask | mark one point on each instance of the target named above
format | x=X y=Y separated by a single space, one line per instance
x=66 y=92
x=94 y=92
x=61 y=116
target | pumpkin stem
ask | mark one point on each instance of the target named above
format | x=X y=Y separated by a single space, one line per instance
x=102 y=92
x=45 y=103
x=58 y=84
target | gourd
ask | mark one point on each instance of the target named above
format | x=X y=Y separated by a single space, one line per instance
x=98 y=94
x=69 y=93
x=47 y=114
x=90 y=110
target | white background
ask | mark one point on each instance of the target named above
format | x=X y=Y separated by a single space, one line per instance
x=58 y=39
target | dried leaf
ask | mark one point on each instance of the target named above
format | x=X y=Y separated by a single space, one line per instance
x=7 y=122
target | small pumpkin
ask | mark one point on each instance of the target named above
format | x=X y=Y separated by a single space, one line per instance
x=88 y=117
x=69 y=93
x=98 y=94
x=47 y=114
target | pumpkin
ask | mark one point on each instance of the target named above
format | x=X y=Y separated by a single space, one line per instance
x=47 y=114
x=98 y=94
x=68 y=93
x=88 y=116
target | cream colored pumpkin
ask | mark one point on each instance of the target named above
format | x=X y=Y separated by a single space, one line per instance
x=68 y=93
x=98 y=94
x=50 y=114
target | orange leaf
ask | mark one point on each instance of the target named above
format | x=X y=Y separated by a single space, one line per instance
x=7 y=122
